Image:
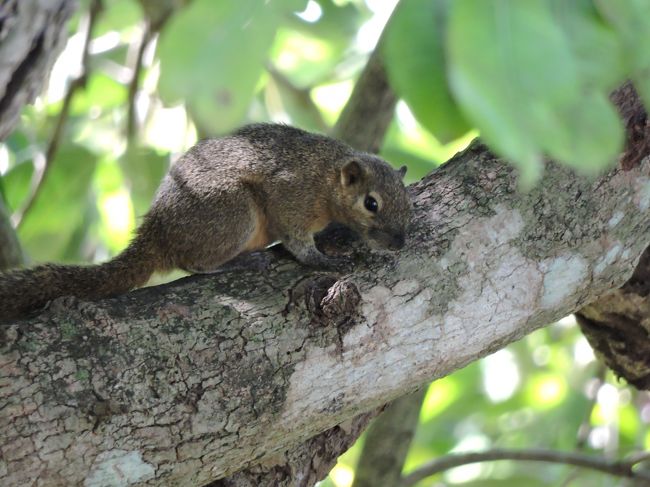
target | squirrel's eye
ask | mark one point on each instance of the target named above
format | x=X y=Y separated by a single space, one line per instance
x=371 y=204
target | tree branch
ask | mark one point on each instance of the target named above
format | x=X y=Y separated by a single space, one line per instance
x=11 y=254
x=157 y=15
x=387 y=442
x=617 y=324
x=202 y=377
x=618 y=468
x=372 y=100
x=31 y=36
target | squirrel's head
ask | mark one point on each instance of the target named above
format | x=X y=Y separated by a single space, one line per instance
x=373 y=201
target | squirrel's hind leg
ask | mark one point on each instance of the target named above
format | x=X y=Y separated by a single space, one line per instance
x=232 y=226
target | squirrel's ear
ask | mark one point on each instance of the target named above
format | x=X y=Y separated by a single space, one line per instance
x=351 y=173
x=401 y=172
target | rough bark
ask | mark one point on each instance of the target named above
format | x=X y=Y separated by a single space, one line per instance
x=192 y=381
x=32 y=32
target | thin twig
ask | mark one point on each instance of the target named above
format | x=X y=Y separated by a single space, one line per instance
x=620 y=468
x=134 y=84
x=151 y=29
x=585 y=428
x=302 y=95
x=75 y=85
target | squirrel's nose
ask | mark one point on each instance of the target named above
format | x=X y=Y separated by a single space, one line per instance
x=396 y=241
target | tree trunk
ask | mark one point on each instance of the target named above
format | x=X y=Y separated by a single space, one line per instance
x=192 y=381
x=32 y=33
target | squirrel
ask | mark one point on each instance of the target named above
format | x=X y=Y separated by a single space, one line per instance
x=233 y=195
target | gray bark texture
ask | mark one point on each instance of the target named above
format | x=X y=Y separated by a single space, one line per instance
x=190 y=382
x=32 y=33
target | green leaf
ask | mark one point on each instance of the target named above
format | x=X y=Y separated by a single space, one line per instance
x=415 y=60
x=212 y=55
x=118 y=15
x=594 y=132
x=290 y=6
x=59 y=208
x=16 y=184
x=631 y=20
x=596 y=47
x=101 y=92
x=308 y=52
x=515 y=75
x=17 y=141
x=144 y=170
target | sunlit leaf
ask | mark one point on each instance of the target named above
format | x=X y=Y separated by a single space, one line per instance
x=212 y=55
x=499 y=58
x=631 y=19
x=101 y=92
x=415 y=61
x=593 y=133
x=308 y=52
x=16 y=184
x=144 y=170
x=597 y=49
x=515 y=76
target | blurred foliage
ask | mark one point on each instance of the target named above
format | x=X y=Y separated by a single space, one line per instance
x=534 y=77
x=531 y=76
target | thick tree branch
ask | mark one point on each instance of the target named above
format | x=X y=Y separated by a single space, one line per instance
x=200 y=378
x=31 y=36
x=620 y=468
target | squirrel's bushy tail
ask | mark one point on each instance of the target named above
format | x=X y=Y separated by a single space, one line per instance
x=25 y=290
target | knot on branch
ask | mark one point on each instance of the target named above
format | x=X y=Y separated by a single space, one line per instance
x=342 y=299
x=331 y=299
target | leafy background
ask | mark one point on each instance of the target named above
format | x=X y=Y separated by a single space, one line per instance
x=532 y=77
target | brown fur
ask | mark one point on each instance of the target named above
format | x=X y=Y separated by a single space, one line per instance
x=228 y=196
x=260 y=237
